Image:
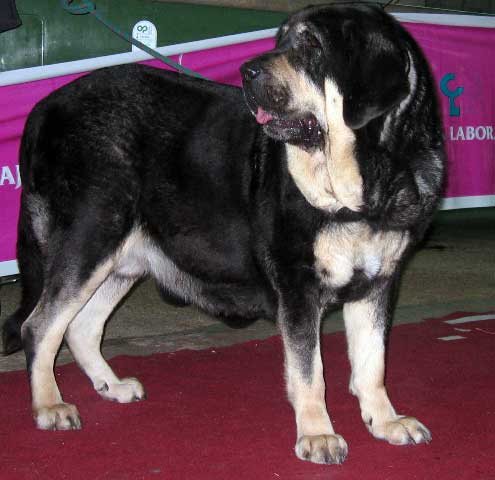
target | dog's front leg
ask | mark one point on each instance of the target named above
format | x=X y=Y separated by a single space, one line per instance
x=317 y=441
x=365 y=323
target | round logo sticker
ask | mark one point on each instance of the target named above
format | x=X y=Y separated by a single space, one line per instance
x=145 y=32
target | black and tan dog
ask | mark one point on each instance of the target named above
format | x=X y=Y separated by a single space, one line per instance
x=134 y=171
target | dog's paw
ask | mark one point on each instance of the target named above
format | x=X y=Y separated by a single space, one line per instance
x=62 y=416
x=325 y=449
x=402 y=431
x=127 y=390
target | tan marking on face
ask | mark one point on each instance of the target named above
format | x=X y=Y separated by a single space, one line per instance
x=328 y=179
x=304 y=94
x=343 y=169
x=309 y=170
x=340 y=249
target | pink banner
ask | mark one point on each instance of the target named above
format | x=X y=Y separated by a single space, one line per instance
x=461 y=62
x=219 y=64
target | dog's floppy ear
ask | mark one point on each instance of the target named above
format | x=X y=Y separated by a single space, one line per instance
x=377 y=77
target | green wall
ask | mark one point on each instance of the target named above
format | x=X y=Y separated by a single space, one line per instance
x=49 y=34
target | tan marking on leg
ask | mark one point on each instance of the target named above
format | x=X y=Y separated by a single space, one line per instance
x=49 y=410
x=84 y=336
x=367 y=356
x=308 y=399
x=316 y=438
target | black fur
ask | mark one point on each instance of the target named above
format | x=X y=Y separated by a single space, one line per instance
x=184 y=161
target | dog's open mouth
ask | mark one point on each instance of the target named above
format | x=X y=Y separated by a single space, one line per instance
x=303 y=130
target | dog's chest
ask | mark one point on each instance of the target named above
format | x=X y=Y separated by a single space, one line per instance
x=344 y=249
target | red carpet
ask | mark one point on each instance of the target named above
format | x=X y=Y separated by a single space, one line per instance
x=221 y=414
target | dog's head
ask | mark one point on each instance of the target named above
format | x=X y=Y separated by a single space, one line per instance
x=357 y=50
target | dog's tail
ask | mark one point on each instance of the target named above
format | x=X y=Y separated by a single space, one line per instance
x=31 y=269
x=11 y=332
x=29 y=255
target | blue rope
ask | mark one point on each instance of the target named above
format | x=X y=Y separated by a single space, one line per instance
x=87 y=6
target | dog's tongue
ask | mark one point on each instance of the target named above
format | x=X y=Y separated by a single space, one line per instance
x=262 y=116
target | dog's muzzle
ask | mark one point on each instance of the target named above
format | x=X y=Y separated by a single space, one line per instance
x=269 y=102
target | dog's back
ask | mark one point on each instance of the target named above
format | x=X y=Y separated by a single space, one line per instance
x=133 y=151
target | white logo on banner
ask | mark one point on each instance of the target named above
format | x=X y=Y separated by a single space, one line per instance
x=10 y=176
x=145 y=32
x=479 y=132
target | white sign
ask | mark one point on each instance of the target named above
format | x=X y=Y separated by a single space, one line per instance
x=145 y=32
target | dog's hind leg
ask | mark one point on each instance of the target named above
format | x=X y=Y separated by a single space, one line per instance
x=42 y=333
x=366 y=321
x=30 y=261
x=84 y=339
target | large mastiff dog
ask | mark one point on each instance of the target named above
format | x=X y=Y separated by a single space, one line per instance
x=310 y=196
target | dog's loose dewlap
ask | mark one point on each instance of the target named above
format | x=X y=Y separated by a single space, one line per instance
x=306 y=188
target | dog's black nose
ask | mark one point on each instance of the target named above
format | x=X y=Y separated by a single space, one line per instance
x=250 y=71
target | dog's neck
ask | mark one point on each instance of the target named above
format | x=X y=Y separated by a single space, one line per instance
x=309 y=171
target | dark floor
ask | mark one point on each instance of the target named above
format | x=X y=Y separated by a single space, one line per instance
x=453 y=271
